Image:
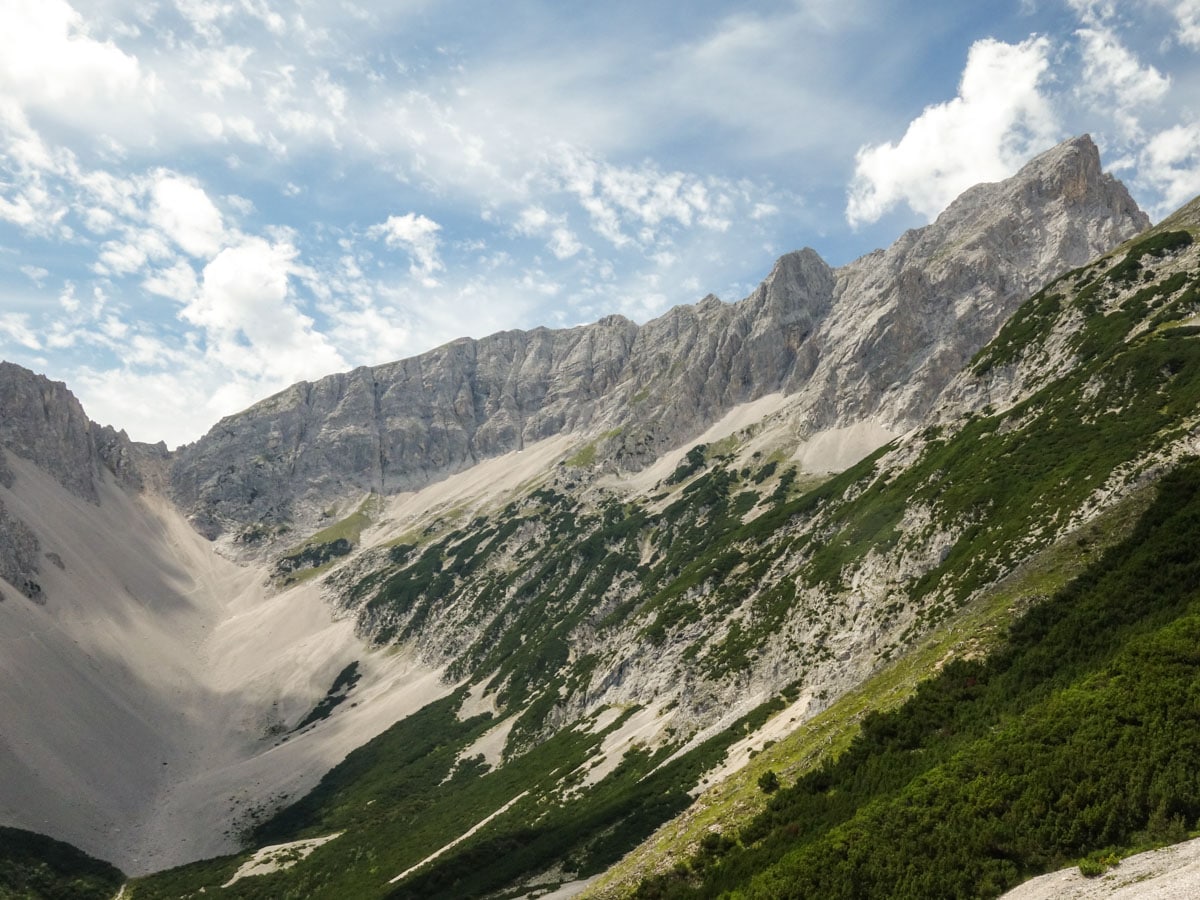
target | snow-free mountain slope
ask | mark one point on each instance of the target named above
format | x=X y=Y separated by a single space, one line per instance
x=606 y=554
x=684 y=624
x=144 y=695
x=874 y=342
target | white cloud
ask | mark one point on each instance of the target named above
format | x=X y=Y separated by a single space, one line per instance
x=418 y=236
x=999 y=118
x=1170 y=165
x=47 y=57
x=32 y=208
x=535 y=221
x=372 y=332
x=185 y=213
x=1114 y=79
x=252 y=324
x=220 y=69
x=160 y=404
x=49 y=61
x=642 y=199
x=204 y=15
x=242 y=287
x=1187 y=20
x=177 y=282
x=563 y=243
x=36 y=274
x=15 y=326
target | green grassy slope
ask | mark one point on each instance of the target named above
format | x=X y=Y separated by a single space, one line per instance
x=1080 y=735
x=402 y=797
x=904 y=817
x=35 y=867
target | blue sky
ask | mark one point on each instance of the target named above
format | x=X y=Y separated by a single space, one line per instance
x=203 y=201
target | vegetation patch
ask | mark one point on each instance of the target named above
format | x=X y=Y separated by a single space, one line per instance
x=320 y=551
x=342 y=685
x=1074 y=737
x=584 y=458
x=36 y=867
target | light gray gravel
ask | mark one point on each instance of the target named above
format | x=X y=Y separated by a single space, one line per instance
x=1172 y=873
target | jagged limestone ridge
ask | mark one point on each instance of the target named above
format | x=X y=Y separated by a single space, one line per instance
x=43 y=422
x=880 y=338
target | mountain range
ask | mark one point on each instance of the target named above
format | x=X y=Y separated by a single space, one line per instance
x=477 y=623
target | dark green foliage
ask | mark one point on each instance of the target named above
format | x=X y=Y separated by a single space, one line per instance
x=1156 y=245
x=1081 y=735
x=768 y=782
x=336 y=695
x=692 y=463
x=312 y=555
x=765 y=472
x=1019 y=331
x=401 y=797
x=993 y=771
x=1002 y=479
x=35 y=867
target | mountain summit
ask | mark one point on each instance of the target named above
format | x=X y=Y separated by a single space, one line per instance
x=868 y=346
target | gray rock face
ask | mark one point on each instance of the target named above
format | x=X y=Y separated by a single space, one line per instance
x=18 y=555
x=42 y=421
x=879 y=338
x=402 y=425
x=906 y=320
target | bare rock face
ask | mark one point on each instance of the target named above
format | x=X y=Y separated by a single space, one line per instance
x=18 y=555
x=907 y=319
x=43 y=422
x=402 y=425
x=878 y=339
x=397 y=426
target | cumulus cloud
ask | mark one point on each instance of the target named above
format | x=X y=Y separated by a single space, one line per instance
x=998 y=120
x=49 y=62
x=1115 y=80
x=184 y=212
x=1170 y=164
x=46 y=55
x=416 y=235
x=178 y=282
x=246 y=307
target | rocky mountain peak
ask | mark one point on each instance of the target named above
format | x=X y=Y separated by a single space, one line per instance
x=905 y=320
x=876 y=340
x=800 y=286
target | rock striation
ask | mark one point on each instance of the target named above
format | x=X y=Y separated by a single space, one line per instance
x=402 y=425
x=43 y=422
x=877 y=339
x=907 y=319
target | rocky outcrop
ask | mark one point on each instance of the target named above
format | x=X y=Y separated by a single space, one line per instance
x=43 y=422
x=399 y=426
x=878 y=339
x=18 y=555
x=906 y=320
